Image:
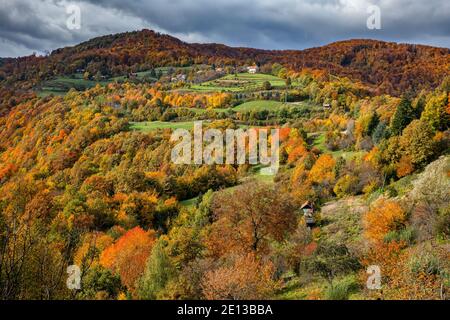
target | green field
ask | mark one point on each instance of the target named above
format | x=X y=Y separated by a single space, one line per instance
x=319 y=143
x=154 y=125
x=258 y=105
x=238 y=83
x=61 y=85
x=147 y=126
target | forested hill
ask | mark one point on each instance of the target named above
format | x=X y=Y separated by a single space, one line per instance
x=390 y=67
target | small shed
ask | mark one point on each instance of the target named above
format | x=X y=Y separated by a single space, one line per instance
x=308 y=213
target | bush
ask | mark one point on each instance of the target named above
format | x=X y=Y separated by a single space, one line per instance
x=426 y=263
x=407 y=235
x=346 y=185
x=343 y=289
x=385 y=216
x=442 y=224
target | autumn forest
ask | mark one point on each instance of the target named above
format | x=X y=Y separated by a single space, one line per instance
x=86 y=177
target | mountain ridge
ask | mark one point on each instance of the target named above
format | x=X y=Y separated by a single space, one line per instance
x=390 y=67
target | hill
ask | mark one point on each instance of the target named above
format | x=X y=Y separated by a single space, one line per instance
x=390 y=67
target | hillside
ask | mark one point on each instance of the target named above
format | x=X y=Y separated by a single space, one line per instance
x=88 y=178
x=389 y=67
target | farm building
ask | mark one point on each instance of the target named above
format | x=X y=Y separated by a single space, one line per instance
x=179 y=77
x=308 y=213
x=253 y=69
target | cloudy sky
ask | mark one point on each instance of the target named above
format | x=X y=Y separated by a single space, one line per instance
x=28 y=26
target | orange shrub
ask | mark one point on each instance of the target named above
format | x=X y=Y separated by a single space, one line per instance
x=383 y=217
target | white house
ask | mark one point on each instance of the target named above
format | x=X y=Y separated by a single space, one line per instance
x=253 y=69
x=178 y=78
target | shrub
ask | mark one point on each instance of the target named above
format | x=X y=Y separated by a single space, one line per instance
x=342 y=289
x=385 y=216
x=442 y=224
x=407 y=236
x=425 y=263
x=346 y=185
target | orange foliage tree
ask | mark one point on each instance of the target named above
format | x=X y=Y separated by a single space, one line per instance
x=383 y=217
x=248 y=218
x=245 y=278
x=128 y=255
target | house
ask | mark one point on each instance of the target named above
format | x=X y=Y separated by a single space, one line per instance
x=308 y=213
x=253 y=69
x=327 y=105
x=178 y=78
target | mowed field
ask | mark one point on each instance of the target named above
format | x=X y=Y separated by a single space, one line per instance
x=147 y=126
x=61 y=85
x=155 y=125
x=238 y=83
x=258 y=105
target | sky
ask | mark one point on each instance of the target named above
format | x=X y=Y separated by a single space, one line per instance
x=40 y=26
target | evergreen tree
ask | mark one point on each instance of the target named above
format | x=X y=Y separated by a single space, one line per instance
x=380 y=132
x=402 y=116
x=373 y=123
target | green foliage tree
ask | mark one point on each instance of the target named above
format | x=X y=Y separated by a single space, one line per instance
x=403 y=116
x=417 y=143
x=380 y=132
x=158 y=272
x=332 y=259
x=373 y=123
x=100 y=283
x=267 y=85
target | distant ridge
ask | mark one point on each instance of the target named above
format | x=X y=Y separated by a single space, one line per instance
x=390 y=67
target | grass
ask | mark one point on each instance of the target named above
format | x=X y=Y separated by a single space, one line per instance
x=319 y=143
x=238 y=83
x=200 y=111
x=189 y=203
x=348 y=155
x=258 y=105
x=147 y=126
x=342 y=289
x=155 y=125
x=61 y=85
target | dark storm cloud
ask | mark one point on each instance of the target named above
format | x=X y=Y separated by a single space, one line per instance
x=281 y=24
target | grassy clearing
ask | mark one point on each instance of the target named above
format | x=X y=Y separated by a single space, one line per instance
x=155 y=125
x=319 y=143
x=349 y=155
x=239 y=82
x=258 y=105
x=147 y=126
x=200 y=111
x=61 y=85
